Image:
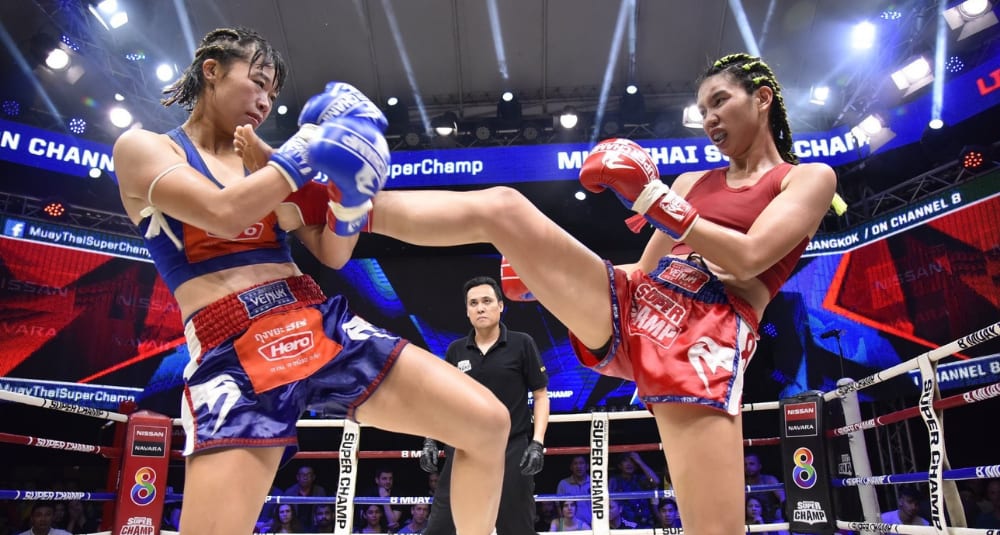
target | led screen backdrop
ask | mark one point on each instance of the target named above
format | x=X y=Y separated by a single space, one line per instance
x=916 y=279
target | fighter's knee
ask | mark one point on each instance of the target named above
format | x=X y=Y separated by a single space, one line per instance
x=507 y=199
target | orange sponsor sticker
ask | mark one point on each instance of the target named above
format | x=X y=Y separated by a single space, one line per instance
x=285 y=347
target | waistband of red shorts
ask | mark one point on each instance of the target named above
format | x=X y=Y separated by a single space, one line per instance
x=233 y=314
x=693 y=283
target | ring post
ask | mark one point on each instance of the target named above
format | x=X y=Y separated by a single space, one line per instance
x=859 y=460
x=804 y=464
x=599 y=464
x=143 y=475
x=344 y=507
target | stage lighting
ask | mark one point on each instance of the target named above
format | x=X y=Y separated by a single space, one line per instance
x=77 y=125
x=11 y=108
x=57 y=59
x=120 y=117
x=412 y=138
x=569 y=118
x=970 y=17
x=863 y=35
x=483 y=131
x=632 y=108
x=446 y=124
x=935 y=124
x=509 y=108
x=913 y=76
x=691 y=117
x=165 y=72
x=872 y=130
x=818 y=94
x=972 y=157
x=282 y=109
x=398 y=115
x=54 y=208
x=530 y=131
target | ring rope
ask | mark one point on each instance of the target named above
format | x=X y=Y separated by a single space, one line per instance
x=958 y=400
x=934 y=355
x=971 y=472
x=24 y=440
x=62 y=406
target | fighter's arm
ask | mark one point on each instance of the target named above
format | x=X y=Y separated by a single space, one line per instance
x=792 y=216
x=142 y=157
x=660 y=243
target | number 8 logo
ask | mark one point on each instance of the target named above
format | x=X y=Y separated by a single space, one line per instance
x=143 y=491
x=803 y=474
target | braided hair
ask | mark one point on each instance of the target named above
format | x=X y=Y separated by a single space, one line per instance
x=224 y=45
x=751 y=72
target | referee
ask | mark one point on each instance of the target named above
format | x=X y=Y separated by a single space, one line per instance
x=508 y=364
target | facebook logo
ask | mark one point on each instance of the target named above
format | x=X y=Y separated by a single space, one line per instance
x=14 y=228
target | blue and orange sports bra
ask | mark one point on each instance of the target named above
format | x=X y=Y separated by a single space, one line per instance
x=182 y=252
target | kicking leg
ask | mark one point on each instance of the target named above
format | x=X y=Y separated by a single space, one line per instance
x=567 y=278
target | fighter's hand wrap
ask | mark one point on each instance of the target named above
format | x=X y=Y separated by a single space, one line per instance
x=311 y=202
x=429 y=456
x=292 y=158
x=512 y=285
x=625 y=167
x=341 y=100
x=533 y=458
x=355 y=157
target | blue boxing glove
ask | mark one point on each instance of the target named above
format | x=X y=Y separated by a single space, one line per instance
x=341 y=100
x=355 y=157
x=292 y=158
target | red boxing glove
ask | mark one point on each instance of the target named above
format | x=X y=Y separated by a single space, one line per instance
x=513 y=286
x=625 y=167
x=310 y=200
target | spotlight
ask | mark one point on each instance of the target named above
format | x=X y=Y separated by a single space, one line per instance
x=483 y=132
x=972 y=157
x=446 y=124
x=632 y=106
x=165 y=72
x=54 y=208
x=913 y=76
x=872 y=130
x=580 y=195
x=398 y=115
x=530 y=131
x=935 y=124
x=57 y=59
x=391 y=101
x=509 y=109
x=970 y=17
x=412 y=139
x=95 y=172
x=120 y=117
x=11 y=108
x=569 y=118
x=863 y=36
x=77 y=125
x=818 y=94
x=691 y=117
x=954 y=65
x=282 y=109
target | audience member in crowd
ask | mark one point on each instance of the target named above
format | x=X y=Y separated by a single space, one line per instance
x=283 y=521
x=628 y=479
x=419 y=512
x=41 y=520
x=545 y=513
x=577 y=483
x=771 y=500
x=615 y=520
x=305 y=485
x=372 y=520
x=79 y=518
x=908 y=509
x=990 y=520
x=323 y=518
x=383 y=489
x=568 y=520
x=669 y=516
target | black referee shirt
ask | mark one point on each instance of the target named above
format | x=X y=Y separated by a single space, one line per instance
x=510 y=369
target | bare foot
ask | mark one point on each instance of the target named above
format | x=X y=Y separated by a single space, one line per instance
x=254 y=151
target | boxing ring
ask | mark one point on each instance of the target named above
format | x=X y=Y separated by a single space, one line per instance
x=141 y=452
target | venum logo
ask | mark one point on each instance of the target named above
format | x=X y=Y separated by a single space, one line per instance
x=287 y=347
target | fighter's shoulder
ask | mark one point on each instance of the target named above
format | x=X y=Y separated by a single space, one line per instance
x=138 y=139
x=813 y=170
x=685 y=181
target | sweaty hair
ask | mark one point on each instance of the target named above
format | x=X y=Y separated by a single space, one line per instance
x=224 y=45
x=751 y=72
x=479 y=281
